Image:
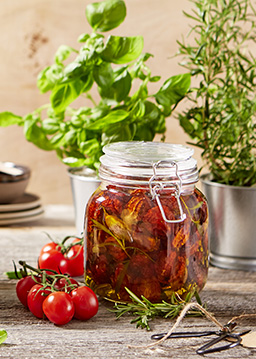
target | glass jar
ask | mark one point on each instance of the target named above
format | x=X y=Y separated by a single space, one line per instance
x=146 y=226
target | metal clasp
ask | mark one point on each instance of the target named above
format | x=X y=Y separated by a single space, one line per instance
x=158 y=186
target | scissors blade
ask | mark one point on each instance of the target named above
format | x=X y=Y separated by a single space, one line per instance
x=183 y=335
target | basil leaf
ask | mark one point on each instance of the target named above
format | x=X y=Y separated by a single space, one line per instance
x=103 y=75
x=58 y=140
x=106 y=15
x=3 y=335
x=120 y=50
x=48 y=77
x=83 y=37
x=9 y=118
x=63 y=53
x=118 y=133
x=50 y=126
x=138 y=109
x=90 y=147
x=173 y=90
x=119 y=89
x=64 y=94
x=144 y=133
x=34 y=134
x=70 y=137
x=110 y=119
x=74 y=161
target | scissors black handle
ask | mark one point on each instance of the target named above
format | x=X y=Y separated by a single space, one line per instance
x=205 y=349
x=184 y=335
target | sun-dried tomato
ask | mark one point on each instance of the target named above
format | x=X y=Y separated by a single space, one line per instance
x=113 y=249
x=113 y=200
x=98 y=270
x=150 y=289
x=182 y=236
x=117 y=227
x=129 y=244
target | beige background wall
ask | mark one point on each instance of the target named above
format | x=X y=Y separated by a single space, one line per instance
x=32 y=30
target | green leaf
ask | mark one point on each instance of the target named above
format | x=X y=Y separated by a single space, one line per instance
x=173 y=90
x=50 y=126
x=9 y=118
x=64 y=94
x=144 y=133
x=48 y=77
x=35 y=134
x=155 y=78
x=90 y=147
x=119 y=132
x=110 y=119
x=74 y=161
x=186 y=125
x=120 y=50
x=103 y=75
x=83 y=37
x=3 y=335
x=120 y=87
x=106 y=15
x=58 y=140
x=63 y=53
x=14 y=275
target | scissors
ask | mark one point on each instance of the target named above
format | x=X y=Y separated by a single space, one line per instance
x=225 y=333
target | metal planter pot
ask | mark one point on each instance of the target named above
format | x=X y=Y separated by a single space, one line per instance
x=84 y=182
x=232 y=217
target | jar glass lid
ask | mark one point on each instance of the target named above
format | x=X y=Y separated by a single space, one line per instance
x=148 y=152
x=138 y=160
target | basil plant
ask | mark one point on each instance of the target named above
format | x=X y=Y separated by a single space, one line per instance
x=112 y=65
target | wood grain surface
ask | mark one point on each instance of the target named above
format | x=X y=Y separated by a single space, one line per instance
x=226 y=294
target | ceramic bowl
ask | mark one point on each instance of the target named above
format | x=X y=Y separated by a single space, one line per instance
x=13 y=181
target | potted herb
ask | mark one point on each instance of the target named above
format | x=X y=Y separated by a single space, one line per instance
x=220 y=118
x=123 y=108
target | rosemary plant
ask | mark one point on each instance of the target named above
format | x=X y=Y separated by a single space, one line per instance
x=220 y=116
x=145 y=311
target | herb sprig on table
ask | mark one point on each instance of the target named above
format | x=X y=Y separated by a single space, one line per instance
x=3 y=335
x=145 y=311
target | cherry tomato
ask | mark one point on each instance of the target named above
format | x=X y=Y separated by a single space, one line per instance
x=53 y=260
x=59 y=308
x=75 y=258
x=85 y=301
x=36 y=297
x=23 y=287
x=64 y=284
x=49 y=247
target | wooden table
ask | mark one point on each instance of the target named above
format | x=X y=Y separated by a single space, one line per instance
x=227 y=294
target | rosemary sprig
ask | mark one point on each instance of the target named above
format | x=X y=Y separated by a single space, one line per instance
x=145 y=311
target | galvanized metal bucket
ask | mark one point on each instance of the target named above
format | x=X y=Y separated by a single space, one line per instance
x=232 y=217
x=84 y=182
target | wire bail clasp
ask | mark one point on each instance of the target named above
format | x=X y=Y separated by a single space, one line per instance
x=159 y=185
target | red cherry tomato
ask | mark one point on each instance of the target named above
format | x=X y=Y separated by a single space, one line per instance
x=49 y=247
x=53 y=260
x=75 y=258
x=85 y=301
x=64 y=284
x=36 y=297
x=59 y=308
x=23 y=287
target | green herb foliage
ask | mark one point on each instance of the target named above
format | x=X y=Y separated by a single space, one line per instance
x=3 y=335
x=145 y=311
x=220 y=117
x=120 y=113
